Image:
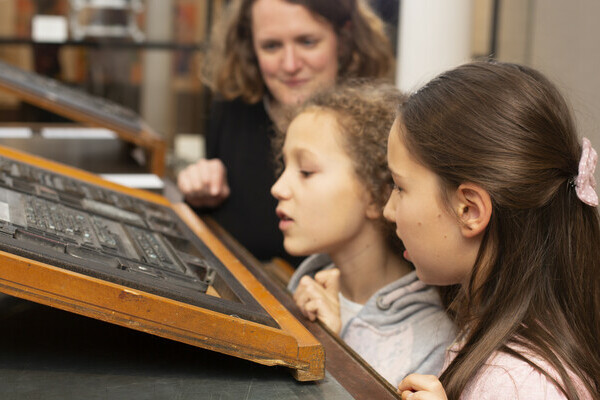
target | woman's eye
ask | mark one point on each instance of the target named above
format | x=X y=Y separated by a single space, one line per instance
x=305 y=173
x=396 y=188
x=269 y=46
x=308 y=41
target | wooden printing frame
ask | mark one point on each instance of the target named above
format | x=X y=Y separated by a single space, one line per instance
x=146 y=138
x=291 y=345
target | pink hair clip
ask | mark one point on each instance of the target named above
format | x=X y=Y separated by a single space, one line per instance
x=585 y=183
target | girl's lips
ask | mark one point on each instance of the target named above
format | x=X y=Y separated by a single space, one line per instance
x=284 y=224
x=406 y=255
x=281 y=214
x=284 y=220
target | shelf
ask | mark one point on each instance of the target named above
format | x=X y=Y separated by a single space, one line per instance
x=110 y=44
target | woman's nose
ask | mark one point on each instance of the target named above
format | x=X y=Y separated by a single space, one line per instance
x=291 y=60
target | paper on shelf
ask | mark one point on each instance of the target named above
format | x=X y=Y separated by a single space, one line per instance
x=15 y=133
x=136 y=181
x=78 y=133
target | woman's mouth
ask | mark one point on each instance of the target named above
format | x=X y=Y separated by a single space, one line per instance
x=295 y=82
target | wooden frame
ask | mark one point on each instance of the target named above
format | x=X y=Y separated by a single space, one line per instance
x=145 y=137
x=290 y=345
x=344 y=364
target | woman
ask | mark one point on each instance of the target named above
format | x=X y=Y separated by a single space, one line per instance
x=267 y=55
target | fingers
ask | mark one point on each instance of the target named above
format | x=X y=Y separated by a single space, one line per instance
x=421 y=387
x=408 y=395
x=306 y=293
x=316 y=303
x=311 y=309
x=303 y=294
x=330 y=280
x=204 y=183
x=416 y=382
x=206 y=177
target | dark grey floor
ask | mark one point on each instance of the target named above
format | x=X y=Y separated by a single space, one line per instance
x=50 y=354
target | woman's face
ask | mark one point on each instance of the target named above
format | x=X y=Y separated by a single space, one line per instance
x=322 y=204
x=297 y=53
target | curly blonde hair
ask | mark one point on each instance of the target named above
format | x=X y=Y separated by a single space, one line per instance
x=231 y=67
x=364 y=111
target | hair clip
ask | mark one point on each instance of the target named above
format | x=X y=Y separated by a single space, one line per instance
x=585 y=183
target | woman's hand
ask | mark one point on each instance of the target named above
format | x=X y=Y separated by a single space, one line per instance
x=421 y=387
x=204 y=184
x=318 y=298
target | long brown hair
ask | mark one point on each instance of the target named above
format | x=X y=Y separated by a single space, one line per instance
x=506 y=128
x=231 y=67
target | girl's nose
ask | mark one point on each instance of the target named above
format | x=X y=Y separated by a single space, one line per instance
x=388 y=209
x=279 y=190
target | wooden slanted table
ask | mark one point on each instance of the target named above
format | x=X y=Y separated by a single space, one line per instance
x=290 y=344
x=121 y=352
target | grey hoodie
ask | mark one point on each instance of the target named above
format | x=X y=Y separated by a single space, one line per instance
x=400 y=330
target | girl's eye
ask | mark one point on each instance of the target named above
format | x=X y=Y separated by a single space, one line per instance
x=396 y=188
x=305 y=173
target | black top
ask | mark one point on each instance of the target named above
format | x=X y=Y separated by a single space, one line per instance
x=240 y=135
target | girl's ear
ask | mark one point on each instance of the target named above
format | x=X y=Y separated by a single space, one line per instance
x=374 y=210
x=474 y=209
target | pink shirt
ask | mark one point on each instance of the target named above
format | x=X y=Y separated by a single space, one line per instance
x=505 y=377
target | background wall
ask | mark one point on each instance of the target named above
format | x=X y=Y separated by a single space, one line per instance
x=561 y=39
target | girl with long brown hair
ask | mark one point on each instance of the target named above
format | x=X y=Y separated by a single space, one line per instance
x=495 y=192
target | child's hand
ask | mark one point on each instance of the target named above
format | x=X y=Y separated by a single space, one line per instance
x=421 y=387
x=318 y=298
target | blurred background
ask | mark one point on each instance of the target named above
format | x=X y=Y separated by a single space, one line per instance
x=146 y=54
